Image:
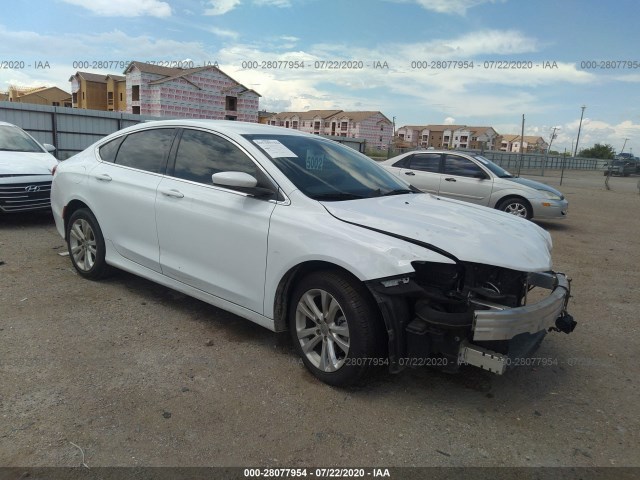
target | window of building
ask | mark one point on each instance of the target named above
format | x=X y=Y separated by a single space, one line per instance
x=294 y=124
x=343 y=126
x=382 y=128
x=231 y=104
x=135 y=109
x=74 y=97
x=120 y=96
x=231 y=117
x=146 y=150
x=83 y=95
x=67 y=104
x=55 y=104
x=316 y=126
x=135 y=93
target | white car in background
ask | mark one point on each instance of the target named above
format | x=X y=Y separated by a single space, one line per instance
x=26 y=169
x=472 y=178
x=295 y=231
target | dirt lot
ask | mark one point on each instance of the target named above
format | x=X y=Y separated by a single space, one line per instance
x=136 y=374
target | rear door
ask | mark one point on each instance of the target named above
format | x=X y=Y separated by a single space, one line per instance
x=423 y=171
x=124 y=192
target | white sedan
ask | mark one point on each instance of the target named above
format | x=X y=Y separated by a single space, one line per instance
x=473 y=178
x=25 y=171
x=294 y=231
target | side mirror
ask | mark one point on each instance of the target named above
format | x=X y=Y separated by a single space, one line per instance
x=242 y=182
x=48 y=147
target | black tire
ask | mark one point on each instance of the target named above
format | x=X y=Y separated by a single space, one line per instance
x=517 y=206
x=353 y=309
x=86 y=245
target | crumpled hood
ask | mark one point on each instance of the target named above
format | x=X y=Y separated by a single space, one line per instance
x=26 y=163
x=471 y=233
x=533 y=184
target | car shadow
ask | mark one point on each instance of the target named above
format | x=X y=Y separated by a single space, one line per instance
x=26 y=219
x=552 y=225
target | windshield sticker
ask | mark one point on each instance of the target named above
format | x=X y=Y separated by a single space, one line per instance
x=314 y=161
x=275 y=149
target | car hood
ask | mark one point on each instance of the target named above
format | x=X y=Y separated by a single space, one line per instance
x=471 y=233
x=533 y=184
x=26 y=163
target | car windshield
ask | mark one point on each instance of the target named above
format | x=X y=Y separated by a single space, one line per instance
x=12 y=139
x=325 y=170
x=497 y=170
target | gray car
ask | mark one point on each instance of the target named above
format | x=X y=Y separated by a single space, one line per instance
x=473 y=178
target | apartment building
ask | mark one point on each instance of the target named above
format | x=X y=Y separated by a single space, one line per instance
x=52 y=96
x=447 y=137
x=517 y=143
x=89 y=90
x=204 y=92
x=372 y=126
x=116 y=93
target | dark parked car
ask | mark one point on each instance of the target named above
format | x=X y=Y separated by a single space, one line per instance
x=620 y=167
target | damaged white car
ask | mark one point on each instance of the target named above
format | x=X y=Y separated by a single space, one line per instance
x=293 y=231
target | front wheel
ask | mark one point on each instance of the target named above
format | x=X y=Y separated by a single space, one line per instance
x=335 y=327
x=516 y=206
x=86 y=245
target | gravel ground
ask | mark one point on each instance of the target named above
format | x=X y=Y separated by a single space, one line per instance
x=138 y=375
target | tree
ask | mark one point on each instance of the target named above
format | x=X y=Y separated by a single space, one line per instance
x=599 y=150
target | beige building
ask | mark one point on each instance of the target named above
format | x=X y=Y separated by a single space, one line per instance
x=116 y=93
x=372 y=126
x=52 y=96
x=514 y=143
x=89 y=90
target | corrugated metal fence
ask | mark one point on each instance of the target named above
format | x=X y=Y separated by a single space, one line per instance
x=535 y=163
x=70 y=130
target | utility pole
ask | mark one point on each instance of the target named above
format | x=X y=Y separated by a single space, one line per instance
x=521 y=146
x=624 y=145
x=575 y=152
x=546 y=157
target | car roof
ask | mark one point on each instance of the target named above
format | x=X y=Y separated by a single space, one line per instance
x=231 y=126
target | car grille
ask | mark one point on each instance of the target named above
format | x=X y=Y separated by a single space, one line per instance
x=19 y=197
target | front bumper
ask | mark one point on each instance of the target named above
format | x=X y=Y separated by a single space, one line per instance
x=503 y=323
x=550 y=208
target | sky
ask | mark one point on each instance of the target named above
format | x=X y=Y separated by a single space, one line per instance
x=419 y=62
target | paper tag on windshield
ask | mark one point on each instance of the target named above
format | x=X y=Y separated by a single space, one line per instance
x=275 y=149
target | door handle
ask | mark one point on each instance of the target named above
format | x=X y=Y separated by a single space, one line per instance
x=172 y=193
x=103 y=177
x=450 y=179
x=409 y=173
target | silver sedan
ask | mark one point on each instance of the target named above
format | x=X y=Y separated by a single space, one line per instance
x=473 y=178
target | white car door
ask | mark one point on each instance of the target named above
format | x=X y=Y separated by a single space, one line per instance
x=213 y=238
x=465 y=180
x=123 y=189
x=422 y=171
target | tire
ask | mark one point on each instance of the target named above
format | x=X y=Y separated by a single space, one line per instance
x=86 y=245
x=516 y=206
x=335 y=327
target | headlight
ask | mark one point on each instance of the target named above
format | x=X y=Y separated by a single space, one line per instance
x=550 y=195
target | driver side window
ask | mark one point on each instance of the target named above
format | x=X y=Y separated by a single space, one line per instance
x=463 y=167
x=201 y=154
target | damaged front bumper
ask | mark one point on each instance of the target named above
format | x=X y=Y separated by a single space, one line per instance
x=495 y=335
x=524 y=327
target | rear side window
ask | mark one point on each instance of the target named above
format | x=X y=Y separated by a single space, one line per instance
x=108 y=150
x=425 y=162
x=201 y=154
x=402 y=162
x=147 y=150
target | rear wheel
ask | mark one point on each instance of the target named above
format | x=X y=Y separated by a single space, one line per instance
x=335 y=327
x=86 y=245
x=516 y=206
